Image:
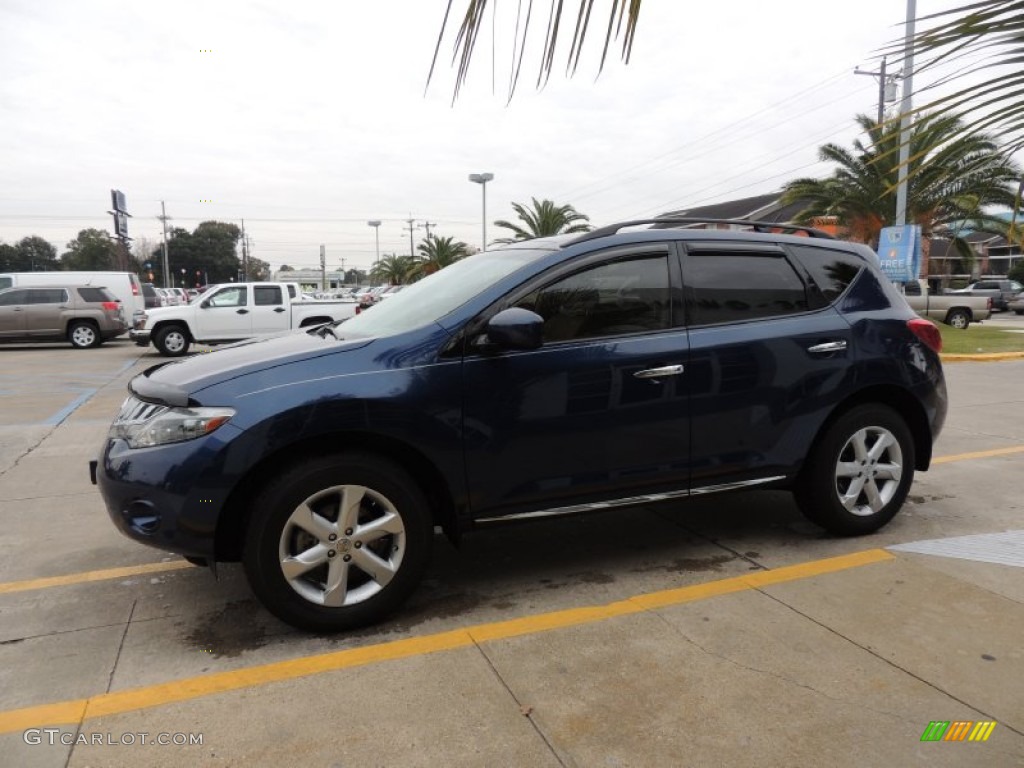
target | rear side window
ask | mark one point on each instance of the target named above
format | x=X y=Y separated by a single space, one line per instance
x=6 y=282
x=728 y=287
x=267 y=295
x=832 y=271
x=96 y=295
x=47 y=296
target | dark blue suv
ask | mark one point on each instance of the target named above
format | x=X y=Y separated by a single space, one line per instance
x=625 y=366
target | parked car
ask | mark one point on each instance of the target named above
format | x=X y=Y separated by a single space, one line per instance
x=124 y=285
x=1017 y=304
x=1000 y=291
x=552 y=376
x=958 y=310
x=231 y=312
x=151 y=296
x=84 y=315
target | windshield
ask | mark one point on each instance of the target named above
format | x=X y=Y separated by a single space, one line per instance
x=435 y=296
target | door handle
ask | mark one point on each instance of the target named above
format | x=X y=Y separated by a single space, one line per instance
x=279 y=309
x=242 y=312
x=659 y=373
x=828 y=347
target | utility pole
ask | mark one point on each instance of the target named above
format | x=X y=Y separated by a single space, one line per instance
x=163 y=219
x=905 y=117
x=412 y=226
x=245 y=255
x=427 y=226
x=883 y=85
x=323 y=267
x=342 y=271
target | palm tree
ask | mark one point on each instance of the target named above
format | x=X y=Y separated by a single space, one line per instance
x=543 y=220
x=437 y=253
x=475 y=15
x=994 y=28
x=954 y=177
x=392 y=269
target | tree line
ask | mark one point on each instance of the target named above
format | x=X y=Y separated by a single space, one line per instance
x=207 y=254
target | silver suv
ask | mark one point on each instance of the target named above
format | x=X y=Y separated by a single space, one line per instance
x=84 y=315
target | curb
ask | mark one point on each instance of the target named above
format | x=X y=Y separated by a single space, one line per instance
x=987 y=357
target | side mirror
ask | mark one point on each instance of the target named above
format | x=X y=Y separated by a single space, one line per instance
x=516 y=328
x=205 y=304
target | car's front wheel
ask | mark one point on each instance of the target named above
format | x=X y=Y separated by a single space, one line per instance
x=338 y=542
x=958 y=318
x=860 y=472
x=172 y=340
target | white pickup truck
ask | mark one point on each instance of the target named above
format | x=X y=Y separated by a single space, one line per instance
x=232 y=312
x=958 y=311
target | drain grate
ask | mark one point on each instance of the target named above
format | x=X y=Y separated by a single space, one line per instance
x=1005 y=548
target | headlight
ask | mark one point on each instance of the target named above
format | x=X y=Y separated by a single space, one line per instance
x=143 y=424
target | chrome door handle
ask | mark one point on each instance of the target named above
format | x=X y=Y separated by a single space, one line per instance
x=658 y=373
x=827 y=347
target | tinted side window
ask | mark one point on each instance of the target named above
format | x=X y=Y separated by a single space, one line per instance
x=13 y=298
x=96 y=295
x=630 y=296
x=47 y=296
x=729 y=287
x=834 y=271
x=266 y=295
x=6 y=282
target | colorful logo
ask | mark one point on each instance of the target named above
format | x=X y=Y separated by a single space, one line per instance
x=958 y=730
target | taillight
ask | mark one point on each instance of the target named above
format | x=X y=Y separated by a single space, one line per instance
x=110 y=305
x=927 y=332
x=135 y=289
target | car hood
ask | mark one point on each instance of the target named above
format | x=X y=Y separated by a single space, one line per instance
x=177 y=382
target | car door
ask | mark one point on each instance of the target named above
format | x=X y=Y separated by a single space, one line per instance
x=269 y=313
x=767 y=355
x=44 y=314
x=224 y=314
x=599 y=412
x=12 y=313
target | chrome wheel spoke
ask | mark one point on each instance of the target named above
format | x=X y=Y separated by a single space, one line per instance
x=881 y=444
x=849 y=499
x=388 y=523
x=888 y=472
x=308 y=520
x=381 y=571
x=874 y=497
x=295 y=566
x=351 y=501
x=336 y=589
x=859 y=442
x=847 y=469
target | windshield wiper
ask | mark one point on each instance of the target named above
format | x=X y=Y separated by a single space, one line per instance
x=323 y=330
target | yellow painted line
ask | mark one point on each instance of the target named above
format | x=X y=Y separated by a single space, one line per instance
x=981 y=357
x=77 y=710
x=979 y=454
x=87 y=576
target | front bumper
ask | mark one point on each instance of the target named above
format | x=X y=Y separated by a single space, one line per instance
x=167 y=496
x=140 y=337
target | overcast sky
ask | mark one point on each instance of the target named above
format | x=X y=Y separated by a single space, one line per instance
x=309 y=118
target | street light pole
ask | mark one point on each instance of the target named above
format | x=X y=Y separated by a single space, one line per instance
x=376 y=238
x=482 y=179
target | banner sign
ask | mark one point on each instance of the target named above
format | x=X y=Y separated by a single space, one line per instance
x=899 y=251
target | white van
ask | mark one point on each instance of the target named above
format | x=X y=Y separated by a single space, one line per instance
x=124 y=285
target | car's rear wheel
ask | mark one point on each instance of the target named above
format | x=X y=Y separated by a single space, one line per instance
x=338 y=542
x=83 y=335
x=958 y=318
x=860 y=472
x=172 y=340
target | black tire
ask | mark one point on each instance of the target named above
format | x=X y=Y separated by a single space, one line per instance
x=83 y=334
x=834 y=468
x=958 y=318
x=315 y=493
x=1018 y=311
x=172 y=340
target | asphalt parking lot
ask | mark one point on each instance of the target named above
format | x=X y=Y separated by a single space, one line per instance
x=724 y=631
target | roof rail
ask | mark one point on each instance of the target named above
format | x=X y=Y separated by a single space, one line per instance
x=675 y=222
